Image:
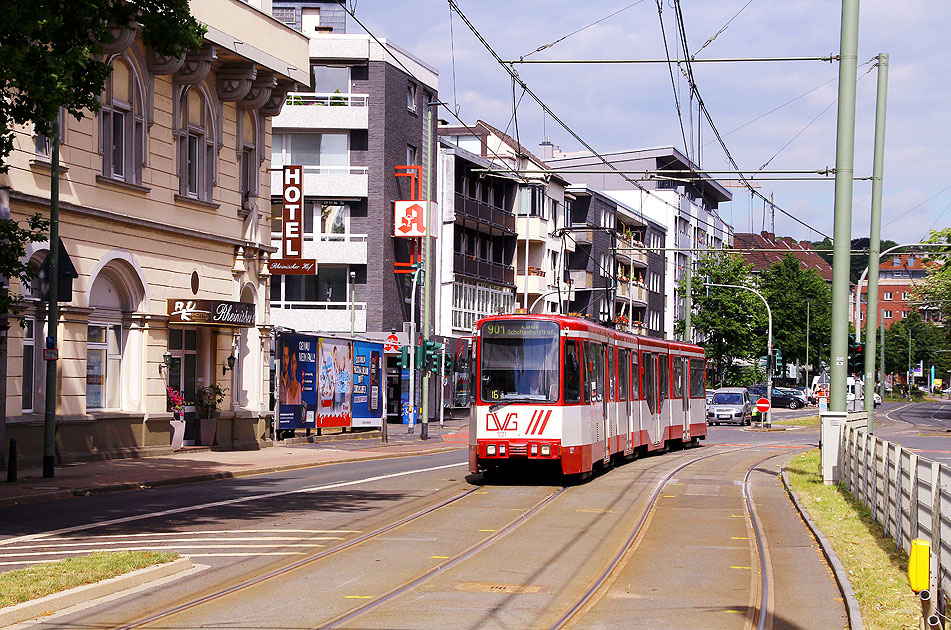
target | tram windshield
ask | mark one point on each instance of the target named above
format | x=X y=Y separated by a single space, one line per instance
x=519 y=361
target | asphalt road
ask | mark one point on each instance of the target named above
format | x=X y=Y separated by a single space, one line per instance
x=924 y=428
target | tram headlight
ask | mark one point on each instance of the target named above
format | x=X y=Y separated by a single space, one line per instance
x=490 y=450
x=501 y=450
x=546 y=450
x=534 y=449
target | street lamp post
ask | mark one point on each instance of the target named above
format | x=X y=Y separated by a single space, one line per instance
x=353 y=276
x=769 y=346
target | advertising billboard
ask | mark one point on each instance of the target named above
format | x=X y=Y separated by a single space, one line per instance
x=367 y=384
x=335 y=386
x=297 y=394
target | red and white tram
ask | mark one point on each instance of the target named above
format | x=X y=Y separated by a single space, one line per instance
x=571 y=394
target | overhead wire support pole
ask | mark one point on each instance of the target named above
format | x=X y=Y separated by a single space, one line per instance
x=828 y=58
x=52 y=311
x=842 y=234
x=769 y=344
x=875 y=241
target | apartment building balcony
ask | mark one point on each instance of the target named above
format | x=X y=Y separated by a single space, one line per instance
x=535 y=229
x=324 y=110
x=633 y=293
x=336 y=249
x=320 y=316
x=483 y=269
x=535 y=282
x=631 y=251
x=580 y=278
x=582 y=236
x=481 y=212
x=330 y=181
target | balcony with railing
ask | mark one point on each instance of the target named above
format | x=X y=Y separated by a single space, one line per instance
x=631 y=251
x=320 y=316
x=330 y=181
x=535 y=282
x=324 y=110
x=483 y=269
x=484 y=213
x=633 y=292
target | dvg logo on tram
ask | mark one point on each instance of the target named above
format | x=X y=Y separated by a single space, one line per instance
x=510 y=424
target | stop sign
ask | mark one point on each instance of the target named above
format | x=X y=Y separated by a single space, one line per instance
x=762 y=405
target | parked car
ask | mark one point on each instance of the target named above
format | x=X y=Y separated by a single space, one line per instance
x=810 y=398
x=730 y=404
x=877 y=399
x=780 y=398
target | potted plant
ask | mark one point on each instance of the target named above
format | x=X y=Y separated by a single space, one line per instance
x=175 y=402
x=207 y=400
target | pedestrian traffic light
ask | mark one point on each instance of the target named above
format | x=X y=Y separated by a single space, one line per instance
x=404 y=357
x=777 y=359
x=853 y=351
x=431 y=350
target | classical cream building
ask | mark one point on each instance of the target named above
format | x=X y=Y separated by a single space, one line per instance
x=165 y=203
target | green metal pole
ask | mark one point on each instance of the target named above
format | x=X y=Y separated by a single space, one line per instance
x=52 y=318
x=881 y=366
x=875 y=239
x=687 y=317
x=842 y=234
x=427 y=262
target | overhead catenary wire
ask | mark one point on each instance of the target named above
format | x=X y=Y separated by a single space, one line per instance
x=670 y=69
x=713 y=37
x=575 y=32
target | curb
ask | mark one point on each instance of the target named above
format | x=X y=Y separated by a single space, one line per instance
x=141 y=485
x=841 y=576
x=82 y=594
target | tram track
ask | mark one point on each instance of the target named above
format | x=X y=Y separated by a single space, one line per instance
x=600 y=586
x=574 y=613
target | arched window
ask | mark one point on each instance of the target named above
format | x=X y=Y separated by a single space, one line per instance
x=122 y=123
x=196 y=145
x=248 y=157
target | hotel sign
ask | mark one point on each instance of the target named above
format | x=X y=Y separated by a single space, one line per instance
x=292 y=238
x=211 y=313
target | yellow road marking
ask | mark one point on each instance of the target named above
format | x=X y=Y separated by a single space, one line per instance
x=737 y=515
x=738 y=538
x=359 y=597
x=734 y=611
x=746 y=568
x=668 y=496
x=480 y=492
x=440 y=557
x=487 y=530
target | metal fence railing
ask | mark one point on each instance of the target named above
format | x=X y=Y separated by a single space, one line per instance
x=907 y=494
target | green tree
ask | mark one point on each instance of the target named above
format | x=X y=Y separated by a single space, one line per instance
x=13 y=241
x=791 y=291
x=936 y=289
x=730 y=322
x=858 y=260
x=52 y=56
x=925 y=340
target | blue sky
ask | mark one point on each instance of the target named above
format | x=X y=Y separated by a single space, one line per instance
x=616 y=107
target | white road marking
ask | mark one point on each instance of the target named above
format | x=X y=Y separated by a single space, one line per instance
x=204 y=506
x=57 y=545
x=29 y=554
x=226 y=531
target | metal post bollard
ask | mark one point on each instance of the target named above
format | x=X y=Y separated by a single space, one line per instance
x=12 y=462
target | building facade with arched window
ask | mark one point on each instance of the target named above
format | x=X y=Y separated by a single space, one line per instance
x=164 y=213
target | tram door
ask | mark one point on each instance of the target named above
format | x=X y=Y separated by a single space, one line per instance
x=610 y=397
x=663 y=394
x=652 y=395
x=636 y=395
x=683 y=364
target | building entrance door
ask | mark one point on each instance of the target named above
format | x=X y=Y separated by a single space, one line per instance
x=183 y=375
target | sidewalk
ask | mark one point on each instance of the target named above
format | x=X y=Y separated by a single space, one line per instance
x=196 y=464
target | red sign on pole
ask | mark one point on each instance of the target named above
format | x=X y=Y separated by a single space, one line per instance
x=292 y=238
x=392 y=343
x=762 y=405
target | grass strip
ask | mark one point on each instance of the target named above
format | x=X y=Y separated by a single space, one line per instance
x=808 y=421
x=877 y=568
x=22 y=585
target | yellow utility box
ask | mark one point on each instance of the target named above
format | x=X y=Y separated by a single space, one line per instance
x=919 y=565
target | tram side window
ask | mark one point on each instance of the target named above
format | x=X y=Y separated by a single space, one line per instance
x=678 y=377
x=664 y=380
x=697 y=385
x=610 y=355
x=595 y=370
x=623 y=366
x=588 y=372
x=635 y=377
x=572 y=372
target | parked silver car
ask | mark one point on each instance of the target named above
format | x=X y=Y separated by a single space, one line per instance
x=730 y=405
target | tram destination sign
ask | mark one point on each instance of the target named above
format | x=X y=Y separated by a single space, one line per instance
x=522 y=329
x=211 y=313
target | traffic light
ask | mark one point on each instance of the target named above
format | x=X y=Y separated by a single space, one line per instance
x=404 y=357
x=858 y=358
x=777 y=360
x=431 y=351
x=850 y=361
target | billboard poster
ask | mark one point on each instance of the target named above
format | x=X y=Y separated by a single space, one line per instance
x=335 y=357
x=367 y=384
x=297 y=393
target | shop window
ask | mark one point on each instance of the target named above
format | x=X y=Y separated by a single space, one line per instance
x=103 y=366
